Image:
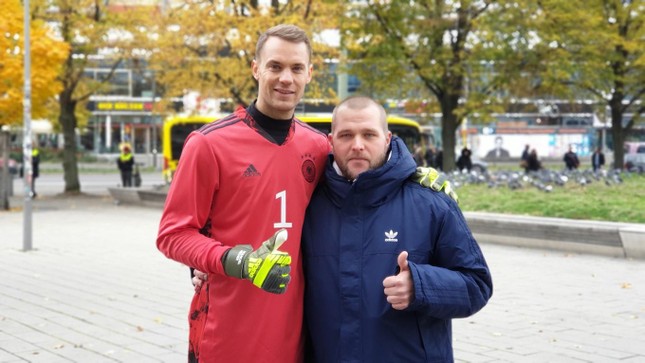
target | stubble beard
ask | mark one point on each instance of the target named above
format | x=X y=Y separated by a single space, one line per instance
x=344 y=169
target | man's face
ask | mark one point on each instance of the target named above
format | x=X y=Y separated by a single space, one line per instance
x=282 y=69
x=358 y=140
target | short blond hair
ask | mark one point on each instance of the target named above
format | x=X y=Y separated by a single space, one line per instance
x=358 y=102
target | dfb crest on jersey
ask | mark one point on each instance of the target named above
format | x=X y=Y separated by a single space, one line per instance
x=308 y=168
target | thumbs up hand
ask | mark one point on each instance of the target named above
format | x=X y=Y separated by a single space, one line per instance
x=399 y=289
x=267 y=267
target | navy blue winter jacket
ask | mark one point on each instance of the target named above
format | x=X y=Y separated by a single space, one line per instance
x=352 y=236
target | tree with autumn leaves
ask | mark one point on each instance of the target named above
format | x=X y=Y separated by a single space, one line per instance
x=89 y=29
x=47 y=54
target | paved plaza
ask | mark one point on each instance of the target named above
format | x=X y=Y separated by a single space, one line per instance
x=96 y=289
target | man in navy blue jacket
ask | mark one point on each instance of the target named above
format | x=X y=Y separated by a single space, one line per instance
x=388 y=263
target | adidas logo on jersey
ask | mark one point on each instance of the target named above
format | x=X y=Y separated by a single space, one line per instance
x=251 y=171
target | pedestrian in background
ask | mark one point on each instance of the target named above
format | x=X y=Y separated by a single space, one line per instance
x=419 y=265
x=35 y=169
x=597 y=159
x=534 y=163
x=524 y=162
x=571 y=161
x=125 y=162
x=464 y=162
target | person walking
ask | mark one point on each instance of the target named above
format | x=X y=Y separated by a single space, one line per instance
x=570 y=159
x=125 y=163
x=387 y=263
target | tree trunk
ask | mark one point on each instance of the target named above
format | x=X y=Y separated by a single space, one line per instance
x=617 y=133
x=67 y=121
x=449 y=125
x=5 y=177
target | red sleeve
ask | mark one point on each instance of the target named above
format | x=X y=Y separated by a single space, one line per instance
x=188 y=208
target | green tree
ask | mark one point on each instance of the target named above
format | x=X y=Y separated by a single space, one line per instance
x=596 y=48
x=463 y=53
x=47 y=54
x=207 y=46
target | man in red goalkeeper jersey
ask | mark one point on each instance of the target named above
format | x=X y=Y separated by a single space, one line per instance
x=239 y=183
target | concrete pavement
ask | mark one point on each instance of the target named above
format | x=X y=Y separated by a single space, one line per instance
x=96 y=289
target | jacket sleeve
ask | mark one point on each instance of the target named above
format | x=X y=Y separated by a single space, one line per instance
x=457 y=282
x=188 y=208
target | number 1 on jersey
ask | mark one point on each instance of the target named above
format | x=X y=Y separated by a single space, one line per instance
x=283 y=211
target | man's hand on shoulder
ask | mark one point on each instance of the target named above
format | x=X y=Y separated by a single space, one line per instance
x=435 y=180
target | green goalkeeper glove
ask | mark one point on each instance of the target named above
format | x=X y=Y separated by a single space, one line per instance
x=266 y=267
x=431 y=178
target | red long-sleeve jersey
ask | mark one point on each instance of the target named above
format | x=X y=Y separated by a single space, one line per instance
x=234 y=185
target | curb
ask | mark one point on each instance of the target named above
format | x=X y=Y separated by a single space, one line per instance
x=624 y=240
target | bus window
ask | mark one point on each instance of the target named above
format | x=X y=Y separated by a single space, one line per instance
x=175 y=132
x=410 y=135
x=178 y=135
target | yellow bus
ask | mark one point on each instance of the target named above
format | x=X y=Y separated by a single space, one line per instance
x=176 y=129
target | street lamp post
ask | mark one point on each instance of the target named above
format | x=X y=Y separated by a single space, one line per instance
x=26 y=142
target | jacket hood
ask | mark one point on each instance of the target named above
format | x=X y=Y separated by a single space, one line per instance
x=373 y=187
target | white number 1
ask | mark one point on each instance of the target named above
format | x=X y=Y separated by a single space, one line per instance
x=283 y=211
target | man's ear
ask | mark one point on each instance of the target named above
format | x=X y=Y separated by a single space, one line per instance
x=389 y=137
x=255 y=69
x=330 y=138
